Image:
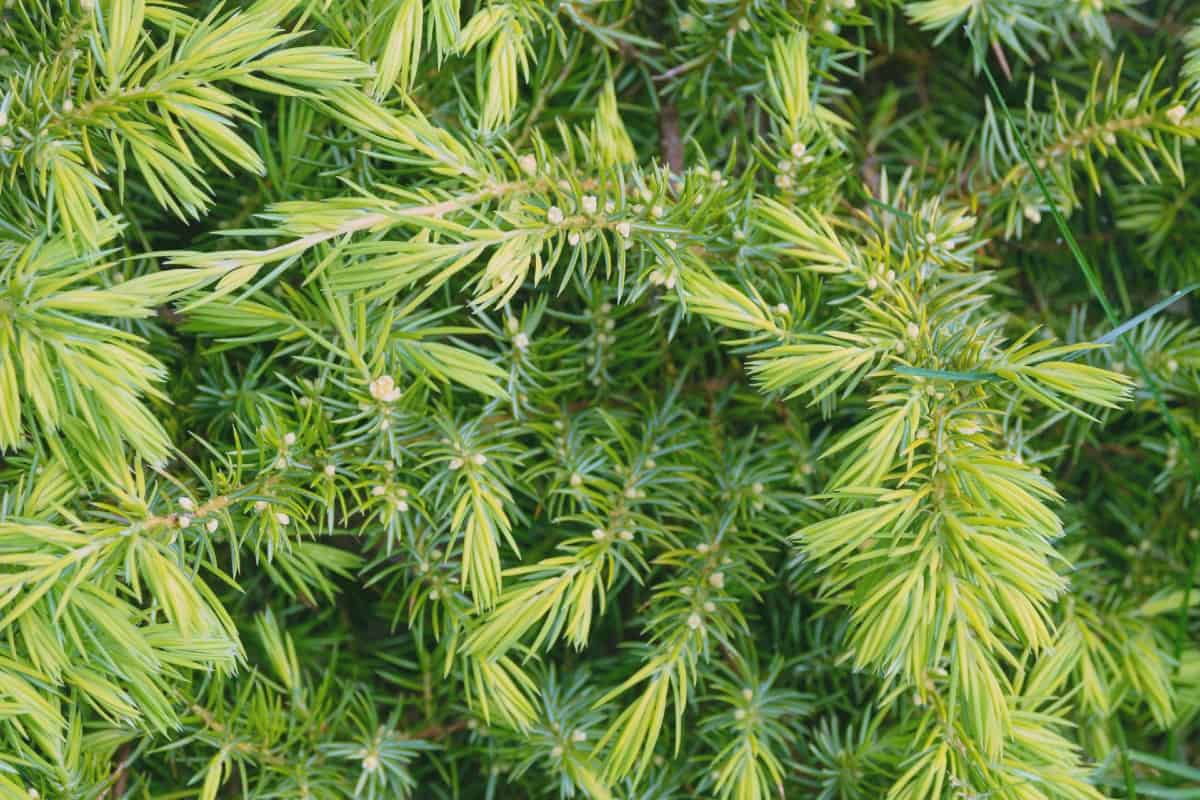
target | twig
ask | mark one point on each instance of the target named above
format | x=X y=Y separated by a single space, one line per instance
x=668 y=136
x=1003 y=59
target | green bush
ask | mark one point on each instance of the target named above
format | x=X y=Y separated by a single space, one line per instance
x=599 y=398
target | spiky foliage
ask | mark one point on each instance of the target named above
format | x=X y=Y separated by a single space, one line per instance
x=599 y=399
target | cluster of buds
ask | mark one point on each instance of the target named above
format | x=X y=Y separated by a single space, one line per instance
x=384 y=389
x=184 y=520
x=396 y=495
x=785 y=177
x=457 y=463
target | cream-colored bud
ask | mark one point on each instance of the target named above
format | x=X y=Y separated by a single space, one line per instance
x=554 y=215
x=384 y=389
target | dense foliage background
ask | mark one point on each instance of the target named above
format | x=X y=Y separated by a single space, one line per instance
x=603 y=398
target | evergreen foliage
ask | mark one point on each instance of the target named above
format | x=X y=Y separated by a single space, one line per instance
x=599 y=398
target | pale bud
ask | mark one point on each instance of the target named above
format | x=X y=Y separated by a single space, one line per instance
x=798 y=149
x=186 y=503
x=456 y=463
x=589 y=204
x=694 y=621
x=289 y=439
x=521 y=341
x=599 y=534
x=184 y=520
x=211 y=526
x=479 y=459
x=330 y=470
x=282 y=518
x=1176 y=114
x=717 y=580
x=576 y=479
x=528 y=164
x=384 y=389
x=554 y=215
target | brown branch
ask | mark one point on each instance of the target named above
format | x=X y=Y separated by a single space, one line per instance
x=670 y=142
x=1003 y=59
